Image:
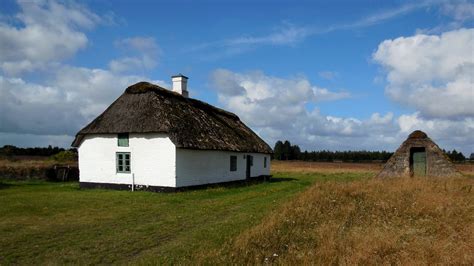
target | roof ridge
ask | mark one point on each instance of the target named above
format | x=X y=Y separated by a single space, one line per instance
x=144 y=87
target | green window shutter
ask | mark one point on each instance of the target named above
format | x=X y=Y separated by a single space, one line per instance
x=123 y=139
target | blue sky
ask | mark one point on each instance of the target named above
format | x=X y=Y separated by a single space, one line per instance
x=326 y=75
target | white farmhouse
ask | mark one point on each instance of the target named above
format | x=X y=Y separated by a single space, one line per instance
x=158 y=139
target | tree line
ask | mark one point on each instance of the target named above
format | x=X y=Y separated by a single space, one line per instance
x=285 y=151
x=10 y=150
x=455 y=156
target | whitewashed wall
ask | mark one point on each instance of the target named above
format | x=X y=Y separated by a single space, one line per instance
x=197 y=167
x=152 y=160
x=155 y=161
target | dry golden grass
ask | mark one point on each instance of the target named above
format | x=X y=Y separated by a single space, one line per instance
x=28 y=167
x=324 y=167
x=466 y=169
x=399 y=221
x=330 y=167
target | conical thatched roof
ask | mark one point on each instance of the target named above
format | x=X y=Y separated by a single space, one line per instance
x=401 y=162
x=189 y=123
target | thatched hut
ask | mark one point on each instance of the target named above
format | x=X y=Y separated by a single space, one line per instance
x=157 y=138
x=419 y=156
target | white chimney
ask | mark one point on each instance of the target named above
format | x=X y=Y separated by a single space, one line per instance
x=180 y=84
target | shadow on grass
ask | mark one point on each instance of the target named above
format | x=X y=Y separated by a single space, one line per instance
x=7 y=183
x=281 y=179
x=239 y=183
x=4 y=185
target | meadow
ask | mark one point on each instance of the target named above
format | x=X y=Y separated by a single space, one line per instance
x=328 y=213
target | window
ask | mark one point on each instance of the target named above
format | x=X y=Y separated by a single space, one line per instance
x=123 y=162
x=123 y=139
x=233 y=163
x=264 y=162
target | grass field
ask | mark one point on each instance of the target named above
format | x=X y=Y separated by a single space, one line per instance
x=302 y=215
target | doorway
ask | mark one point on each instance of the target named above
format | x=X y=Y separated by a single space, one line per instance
x=418 y=161
x=248 y=166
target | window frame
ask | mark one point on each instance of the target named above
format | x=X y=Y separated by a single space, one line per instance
x=124 y=137
x=233 y=163
x=122 y=162
x=265 y=162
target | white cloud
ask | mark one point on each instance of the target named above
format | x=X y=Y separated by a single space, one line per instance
x=134 y=64
x=66 y=97
x=72 y=98
x=451 y=133
x=290 y=35
x=35 y=109
x=432 y=73
x=33 y=140
x=323 y=94
x=276 y=108
x=47 y=32
x=141 y=44
x=286 y=35
x=388 y=14
x=143 y=52
x=265 y=100
x=461 y=10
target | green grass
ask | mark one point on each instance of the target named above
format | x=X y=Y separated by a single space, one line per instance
x=45 y=222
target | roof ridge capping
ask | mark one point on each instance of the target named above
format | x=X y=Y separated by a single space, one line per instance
x=418 y=134
x=145 y=87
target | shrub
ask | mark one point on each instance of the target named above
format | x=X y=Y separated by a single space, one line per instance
x=64 y=156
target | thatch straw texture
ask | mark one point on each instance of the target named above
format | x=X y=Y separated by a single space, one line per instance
x=190 y=123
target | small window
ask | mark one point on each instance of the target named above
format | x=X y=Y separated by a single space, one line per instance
x=233 y=163
x=123 y=139
x=264 y=162
x=123 y=162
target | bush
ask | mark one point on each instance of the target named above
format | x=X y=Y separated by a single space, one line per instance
x=64 y=156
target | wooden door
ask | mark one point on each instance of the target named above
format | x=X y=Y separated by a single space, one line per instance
x=419 y=163
x=248 y=166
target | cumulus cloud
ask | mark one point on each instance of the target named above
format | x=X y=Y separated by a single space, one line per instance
x=432 y=73
x=265 y=100
x=277 y=108
x=451 y=133
x=68 y=102
x=46 y=32
x=42 y=35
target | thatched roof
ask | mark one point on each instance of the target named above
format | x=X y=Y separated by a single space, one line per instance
x=189 y=123
x=418 y=134
x=437 y=162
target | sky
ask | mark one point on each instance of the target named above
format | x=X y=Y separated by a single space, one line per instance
x=334 y=75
